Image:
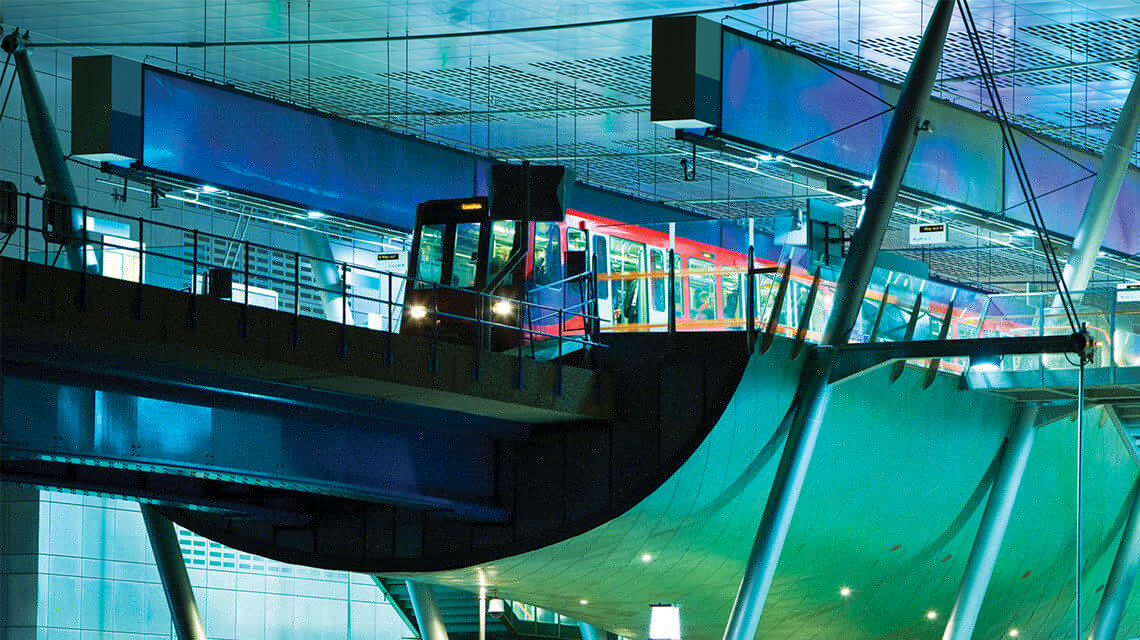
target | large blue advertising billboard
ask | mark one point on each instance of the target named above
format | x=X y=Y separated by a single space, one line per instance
x=235 y=140
x=787 y=102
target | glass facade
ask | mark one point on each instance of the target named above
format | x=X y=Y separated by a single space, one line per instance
x=95 y=578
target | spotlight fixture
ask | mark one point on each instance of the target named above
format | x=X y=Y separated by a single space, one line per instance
x=417 y=312
x=502 y=308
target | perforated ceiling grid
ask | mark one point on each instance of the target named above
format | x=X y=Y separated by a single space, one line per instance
x=1002 y=52
x=587 y=89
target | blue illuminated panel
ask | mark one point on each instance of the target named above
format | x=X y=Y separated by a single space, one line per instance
x=1062 y=179
x=783 y=101
x=226 y=138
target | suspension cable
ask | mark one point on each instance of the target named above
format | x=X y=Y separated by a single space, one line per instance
x=1018 y=163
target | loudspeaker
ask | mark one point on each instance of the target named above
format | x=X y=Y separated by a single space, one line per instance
x=547 y=185
x=9 y=217
x=220 y=283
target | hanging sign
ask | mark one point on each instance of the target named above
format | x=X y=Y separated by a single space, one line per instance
x=929 y=233
x=1128 y=292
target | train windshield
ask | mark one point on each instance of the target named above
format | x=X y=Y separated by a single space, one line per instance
x=502 y=244
x=466 y=254
x=430 y=258
x=547 y=253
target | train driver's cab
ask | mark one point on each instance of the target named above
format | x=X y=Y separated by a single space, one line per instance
x=472 y=277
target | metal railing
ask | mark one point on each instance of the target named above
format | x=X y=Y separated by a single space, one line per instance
x=792 y=299
x=150 y=252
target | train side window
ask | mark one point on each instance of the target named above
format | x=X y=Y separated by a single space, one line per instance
x=575 y=239
x=502 y=243
x=657 y=263
x=547 y=253
x=430 y=260
x=733 y=307
x=702 y=288
x=602 y=260
x=466 y=254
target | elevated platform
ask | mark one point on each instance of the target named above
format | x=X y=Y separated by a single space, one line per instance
x=339 y=446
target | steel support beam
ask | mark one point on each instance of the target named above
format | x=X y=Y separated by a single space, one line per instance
x=1102 y=198
x=814 y=386
x=781 y=505
x=1119 y=585
x=991 y=530
x=426 y=607
x=893 y=160
x=172 y=570
x=590 y=632
x=53 y=162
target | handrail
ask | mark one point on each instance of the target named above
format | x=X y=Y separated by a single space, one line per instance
x=980 y=314
x=265 y=277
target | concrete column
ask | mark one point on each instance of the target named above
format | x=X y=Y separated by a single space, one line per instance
x=172 y=570
x=327 y=275
x=991 y=530
x=428 y=616
x=1116 y=591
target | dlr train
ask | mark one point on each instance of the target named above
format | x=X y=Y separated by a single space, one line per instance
x=530 y=280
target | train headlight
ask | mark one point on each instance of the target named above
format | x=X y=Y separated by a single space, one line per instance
x=417 y=312
x=502 y=308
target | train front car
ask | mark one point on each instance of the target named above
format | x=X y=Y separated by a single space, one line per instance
x=483 y=279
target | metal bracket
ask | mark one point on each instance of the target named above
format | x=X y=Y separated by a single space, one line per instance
x=853 y=359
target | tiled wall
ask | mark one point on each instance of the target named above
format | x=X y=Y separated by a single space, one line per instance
x=97 y=579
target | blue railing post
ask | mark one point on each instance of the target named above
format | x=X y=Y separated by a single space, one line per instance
x=81 y=299
x=749 y=299
x=388 y=337
x=558 y=373
x=142 y=276
x=27 y=242
x=192 y=314
x=1112 y=336
x=296 y=300
x=342 y=350
x=432 y=357
x=245 y=296
x=672 y=305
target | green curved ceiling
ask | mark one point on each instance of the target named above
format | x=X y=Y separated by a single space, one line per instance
x=889 y=510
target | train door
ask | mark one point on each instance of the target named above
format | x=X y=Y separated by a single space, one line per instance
x=733 y=294
x=702 y=290
x=546 y=289
x=627 y=258
x=658 y=296
x=600 y=253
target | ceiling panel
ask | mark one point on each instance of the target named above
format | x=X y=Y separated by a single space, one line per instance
x=580 y=96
